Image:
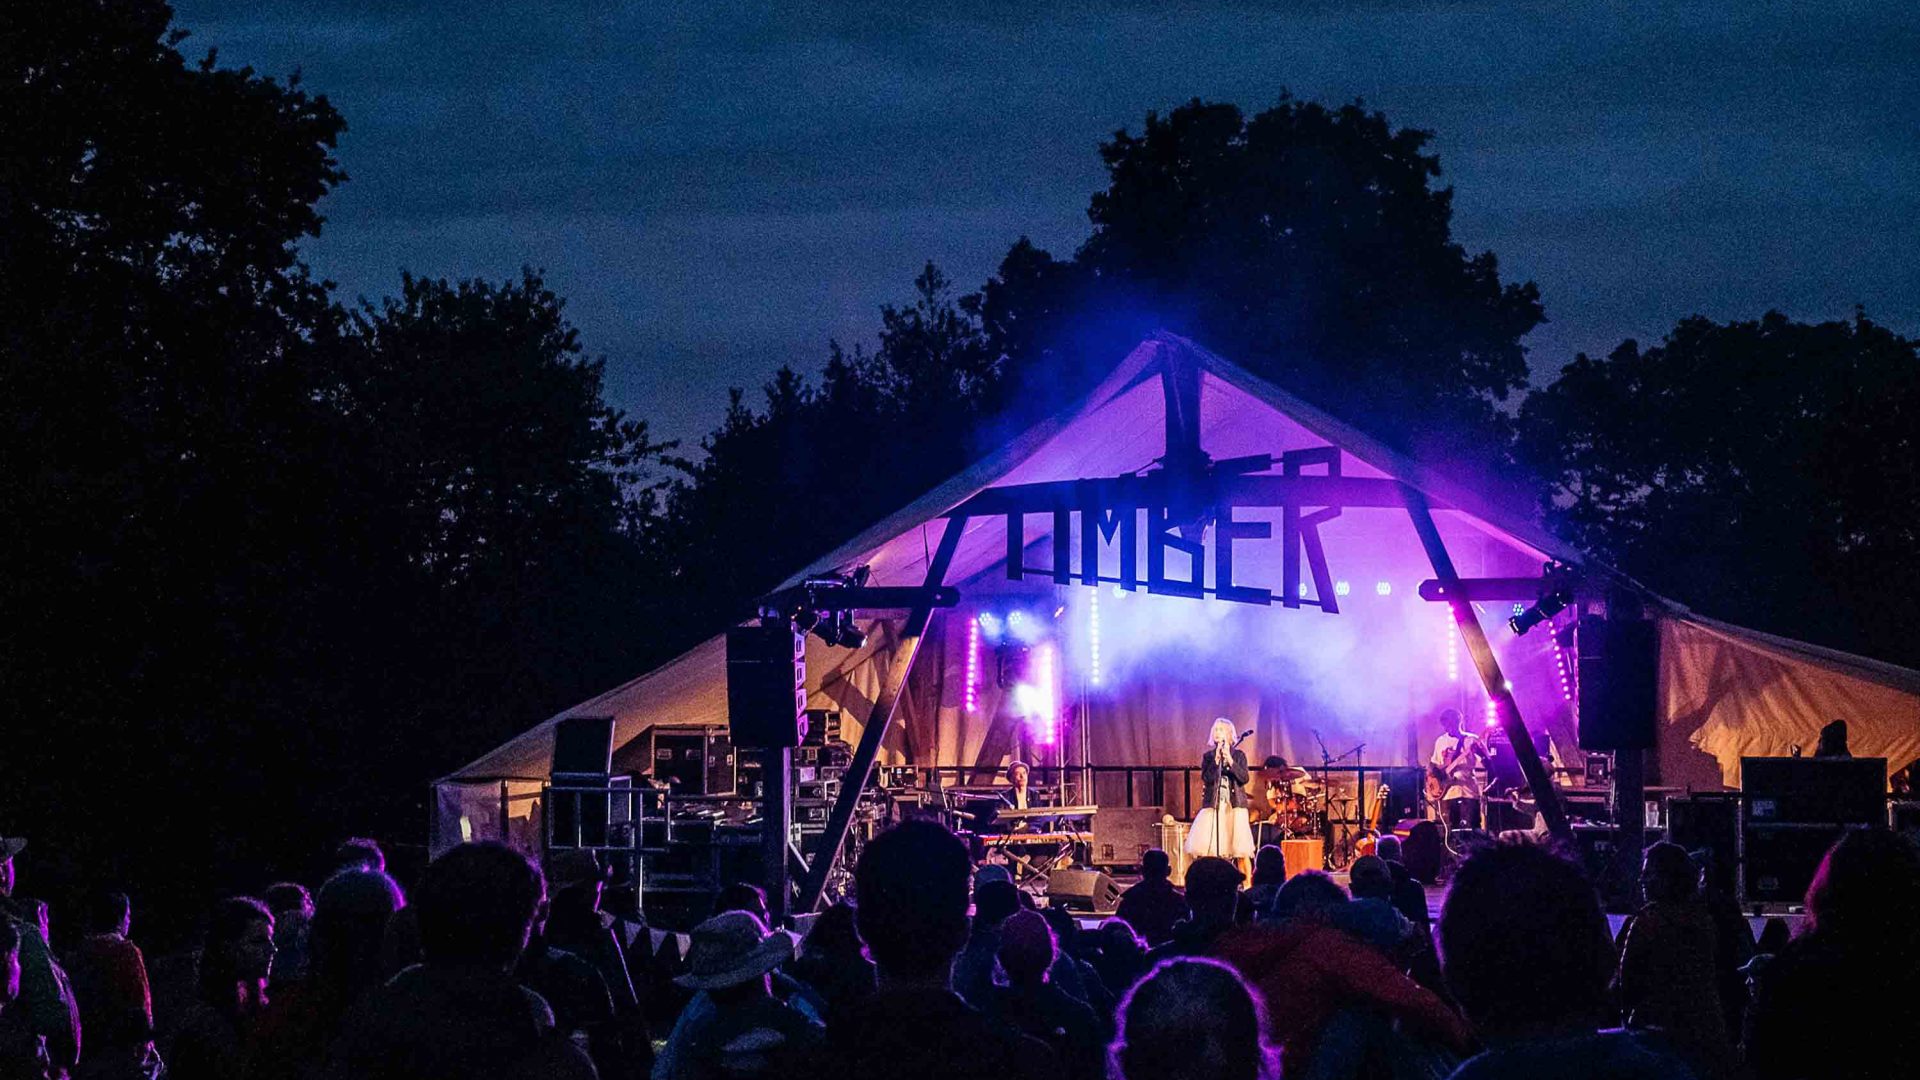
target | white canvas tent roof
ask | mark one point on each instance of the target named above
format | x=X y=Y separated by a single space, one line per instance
x=1114 y=429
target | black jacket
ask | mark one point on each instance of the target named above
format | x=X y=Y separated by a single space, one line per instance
x=1210 y=775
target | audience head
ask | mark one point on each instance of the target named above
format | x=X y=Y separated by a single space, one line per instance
x=1213 y=890
x=911 y=888
x=476 y=905
x=237 y=957
x=1869 y=882
x=1117 y=937
x=106 y=913
x=1190 y=1019
x=1066 y=930
x=993 y=901
x=732 y=953
x=359 y=852
x=741 y=896
x=1388 y=848
x=1309 y=894
x=1155 y=865
x=1523 y=942
x=833 y=936
x=1669 y=874
x=1269 y=866
x=576 y=880
x=1369 y=878
x=1425 y=852
x=1027 y=948
x=289 y=898
x=350 y=927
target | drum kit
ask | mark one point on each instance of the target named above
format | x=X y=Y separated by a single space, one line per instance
x=1295 y=804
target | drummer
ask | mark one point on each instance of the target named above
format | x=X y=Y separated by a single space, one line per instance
x=1283 y=780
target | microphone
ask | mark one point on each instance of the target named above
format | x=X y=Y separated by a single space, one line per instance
x=1243 y=737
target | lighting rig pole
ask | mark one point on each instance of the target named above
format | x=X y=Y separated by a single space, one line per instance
x=816 y=603
x=1488 y=666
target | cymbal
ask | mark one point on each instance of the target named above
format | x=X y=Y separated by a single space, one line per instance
x=1276 y=774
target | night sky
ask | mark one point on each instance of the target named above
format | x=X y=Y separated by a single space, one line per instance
x=721 y=187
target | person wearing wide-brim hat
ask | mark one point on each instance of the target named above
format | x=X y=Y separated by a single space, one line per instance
x=740 y=1029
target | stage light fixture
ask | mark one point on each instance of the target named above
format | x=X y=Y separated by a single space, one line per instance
x=973 y=665
x=1342 y=588
x=1546 y=608
x=1383 y=588
x=991 y=626
x=1093 y=637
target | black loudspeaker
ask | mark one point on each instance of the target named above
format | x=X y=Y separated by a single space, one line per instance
x=583 y=758
x=766 y=686
x=1406 y=785
x=1082 y=890
x=1619 y=674
x=583 y=746
x=1121 y=834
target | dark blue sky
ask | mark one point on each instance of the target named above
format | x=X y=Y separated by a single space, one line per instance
x=719 y=186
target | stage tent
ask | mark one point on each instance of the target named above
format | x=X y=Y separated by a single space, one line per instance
x=1138 y=677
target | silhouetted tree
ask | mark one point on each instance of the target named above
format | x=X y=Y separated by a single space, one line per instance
x=270 y=565
x=777 y=488
x=1307 y=244
x=1763 y=471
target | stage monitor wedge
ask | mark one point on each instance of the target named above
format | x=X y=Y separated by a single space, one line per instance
x=1082 y=890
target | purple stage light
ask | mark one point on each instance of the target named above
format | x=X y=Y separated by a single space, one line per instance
x=1093 y=637
x=973 y=665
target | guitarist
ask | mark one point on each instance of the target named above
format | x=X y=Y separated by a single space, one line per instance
x=1457 y=755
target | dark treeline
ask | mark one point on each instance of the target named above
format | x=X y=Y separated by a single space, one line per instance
x=274 y=560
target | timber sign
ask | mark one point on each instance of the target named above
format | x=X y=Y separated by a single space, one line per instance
x=1175 y=505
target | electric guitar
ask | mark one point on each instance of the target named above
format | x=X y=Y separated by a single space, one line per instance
x=1437 y=774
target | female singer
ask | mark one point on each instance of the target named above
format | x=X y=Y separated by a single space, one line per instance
x=1221 y=828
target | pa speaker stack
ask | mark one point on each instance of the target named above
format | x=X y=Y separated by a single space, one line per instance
x=766 y=685
x=1618 y=669
x=1794 y=809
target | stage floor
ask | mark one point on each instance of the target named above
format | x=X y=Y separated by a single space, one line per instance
x=1757 y=915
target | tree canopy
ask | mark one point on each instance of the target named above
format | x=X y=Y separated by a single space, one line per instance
x=1765 y=471
x=1308 y=243
x=252 y=535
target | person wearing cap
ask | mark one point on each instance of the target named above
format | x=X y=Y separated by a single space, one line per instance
x=45 y=1007
x=746 y=1032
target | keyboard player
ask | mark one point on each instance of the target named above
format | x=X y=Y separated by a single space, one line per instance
x=1019 y=793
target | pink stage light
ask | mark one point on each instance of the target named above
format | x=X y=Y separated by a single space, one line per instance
x=1493 y=712
x=1453 y=648
x=973 y=664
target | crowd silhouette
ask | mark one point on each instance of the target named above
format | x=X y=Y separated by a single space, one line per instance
x=493 y=966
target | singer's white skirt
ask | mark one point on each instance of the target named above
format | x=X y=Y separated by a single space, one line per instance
x=1235 y=835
